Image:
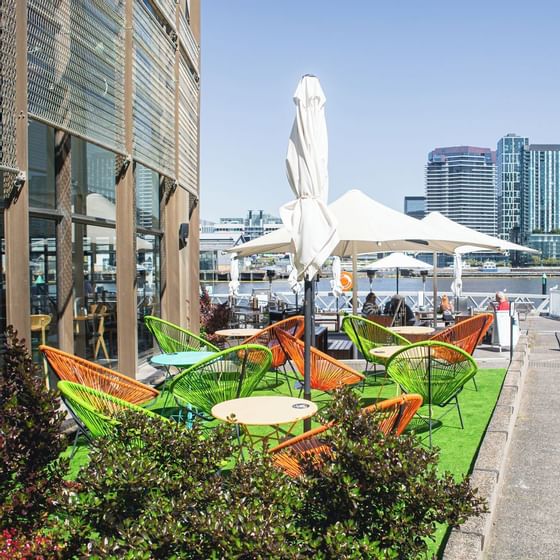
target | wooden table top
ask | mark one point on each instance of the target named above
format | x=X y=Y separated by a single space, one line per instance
x=385 y=352
x=238 y=333
x=412 y=330
x=264 y=411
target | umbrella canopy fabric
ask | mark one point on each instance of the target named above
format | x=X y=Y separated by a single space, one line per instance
x=474 y=240
x=367 y=226
x=234 y=276
x=399 y=260
x=308 y=219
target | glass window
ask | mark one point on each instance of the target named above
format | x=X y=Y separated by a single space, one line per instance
x=93 y=180
x=41 y=166
x=148 y=283
x=148 y=277
x=43 y=282
x=147 y=197
x=94 y=256
x=95 y=293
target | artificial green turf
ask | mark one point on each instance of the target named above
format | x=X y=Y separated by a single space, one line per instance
x=458 y=448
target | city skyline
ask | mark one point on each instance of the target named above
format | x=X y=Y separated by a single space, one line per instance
x=399 y=83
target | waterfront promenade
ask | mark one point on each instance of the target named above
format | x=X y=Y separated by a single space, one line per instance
x=525 y=521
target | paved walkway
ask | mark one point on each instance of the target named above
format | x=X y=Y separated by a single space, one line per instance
x=528 y=506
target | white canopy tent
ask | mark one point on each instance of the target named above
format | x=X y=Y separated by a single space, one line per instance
x=367 y=226
x=474 y=239
x=398 y=261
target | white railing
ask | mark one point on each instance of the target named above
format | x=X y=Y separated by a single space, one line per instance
x=325 y=301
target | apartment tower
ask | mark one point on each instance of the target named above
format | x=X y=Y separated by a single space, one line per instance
x=460 y=183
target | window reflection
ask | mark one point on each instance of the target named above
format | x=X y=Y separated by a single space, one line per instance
x=94 y=257
x=41 y=165
x=148 y=252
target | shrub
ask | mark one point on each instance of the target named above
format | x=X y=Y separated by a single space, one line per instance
x=382 y=492
x=30 y=439
x=166 y=497
x=213 y=317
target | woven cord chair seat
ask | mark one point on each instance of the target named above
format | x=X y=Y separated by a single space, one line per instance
x=95 y=409
x=367 y=335
x=229 y=374
x=172 y=338
x=68 y=367
x=326 y=372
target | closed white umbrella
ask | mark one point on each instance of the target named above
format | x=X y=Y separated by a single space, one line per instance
x=457 y=284
x=310 y=224
x=336 y=283
x=234 y=276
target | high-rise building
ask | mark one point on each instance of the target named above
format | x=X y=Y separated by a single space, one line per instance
x=415 y=206
x=460 y=183
x=540 y=198
x=509 y=161
x=99 y=160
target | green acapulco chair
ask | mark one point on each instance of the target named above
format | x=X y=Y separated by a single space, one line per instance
x=230 y=374
x=435 y=370
x=94 y=409
x=367 y=335
x=172 y=338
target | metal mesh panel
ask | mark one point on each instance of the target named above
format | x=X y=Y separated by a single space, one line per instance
x=8 y=160
x=167 y=9
x=154 y=93
x=188 y=127
x=75 y=67
x=189 y=43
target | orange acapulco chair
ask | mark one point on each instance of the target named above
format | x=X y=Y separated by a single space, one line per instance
x=327 y=373
x=78 y=370
x=394 y=416
x=467 y=334
x=269 y=337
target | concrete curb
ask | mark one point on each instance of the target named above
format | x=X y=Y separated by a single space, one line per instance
x=467 y=542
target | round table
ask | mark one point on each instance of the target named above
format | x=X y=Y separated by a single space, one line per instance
x=412 y=330
x=179 y=359
x=238 y=333
x=385 y=352
x=265 y=411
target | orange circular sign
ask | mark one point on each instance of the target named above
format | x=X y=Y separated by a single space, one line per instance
x=346 y=281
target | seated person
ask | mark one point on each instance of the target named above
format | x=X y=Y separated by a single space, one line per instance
x=446 y=309
x=398 y=306
x=501 y=303
x=370 y=305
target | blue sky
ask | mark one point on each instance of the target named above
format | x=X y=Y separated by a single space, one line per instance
x=401 y=78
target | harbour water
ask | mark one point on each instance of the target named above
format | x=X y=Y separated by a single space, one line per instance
x=509 y=284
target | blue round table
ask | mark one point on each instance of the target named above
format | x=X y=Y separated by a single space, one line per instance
x=179 y=359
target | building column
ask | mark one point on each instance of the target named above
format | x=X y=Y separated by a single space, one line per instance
x=127 y=332
x=16 y=216
x=64 y=276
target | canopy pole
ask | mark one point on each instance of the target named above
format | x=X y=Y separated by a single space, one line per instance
x=397 y=279
x=308 y=337
x=354 y=290
x=434 y=287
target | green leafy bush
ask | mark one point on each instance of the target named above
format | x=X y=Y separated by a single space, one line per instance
x=382 y=492
x=167 y=498
x=377 y=497
x=30 y=439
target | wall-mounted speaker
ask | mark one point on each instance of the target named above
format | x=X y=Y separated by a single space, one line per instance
x=183 y=235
